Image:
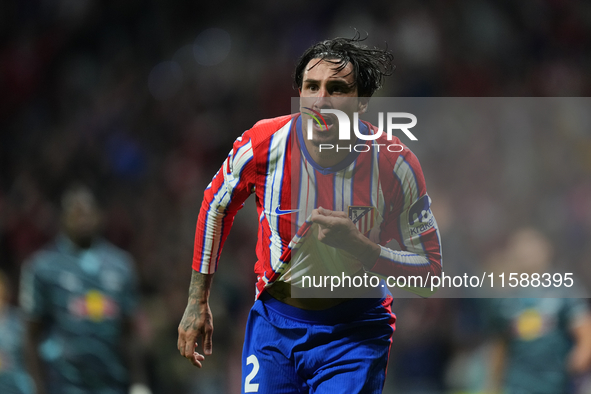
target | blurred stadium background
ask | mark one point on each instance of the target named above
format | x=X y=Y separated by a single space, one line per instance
x=142 y=101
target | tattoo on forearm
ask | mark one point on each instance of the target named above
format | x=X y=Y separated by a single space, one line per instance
x=199 y=287
x=198 y=294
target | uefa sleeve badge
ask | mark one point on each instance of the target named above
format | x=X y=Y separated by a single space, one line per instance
x=420 y=218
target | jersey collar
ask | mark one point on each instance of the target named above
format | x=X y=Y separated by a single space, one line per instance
x=65 y=245
x=350 y=158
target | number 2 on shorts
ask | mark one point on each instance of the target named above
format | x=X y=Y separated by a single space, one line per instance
x=251 y=387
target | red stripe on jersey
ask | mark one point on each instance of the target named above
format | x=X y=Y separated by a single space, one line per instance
x=324 y=190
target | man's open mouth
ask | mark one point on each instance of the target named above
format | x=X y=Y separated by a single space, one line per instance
x=326 y=123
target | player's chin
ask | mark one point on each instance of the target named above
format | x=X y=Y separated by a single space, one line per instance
x=325 y=139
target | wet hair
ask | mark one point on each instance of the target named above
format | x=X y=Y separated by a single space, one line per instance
x=370 y=65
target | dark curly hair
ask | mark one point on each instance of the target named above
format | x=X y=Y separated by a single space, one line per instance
x=370 y=65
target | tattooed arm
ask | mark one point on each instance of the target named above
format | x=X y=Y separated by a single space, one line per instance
x=197 y=319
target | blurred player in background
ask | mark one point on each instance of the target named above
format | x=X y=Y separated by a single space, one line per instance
x=344 y=205
x=14 y=378
x=79 y=297
x=541 y=343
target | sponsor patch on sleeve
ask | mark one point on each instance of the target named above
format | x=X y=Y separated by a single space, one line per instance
x=420 y=217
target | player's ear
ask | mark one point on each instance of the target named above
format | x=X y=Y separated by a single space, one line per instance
x=363 y=104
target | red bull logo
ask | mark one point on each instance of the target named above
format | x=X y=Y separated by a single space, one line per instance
x=94 y=306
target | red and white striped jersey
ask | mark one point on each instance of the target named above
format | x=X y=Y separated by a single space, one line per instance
x=383 y=192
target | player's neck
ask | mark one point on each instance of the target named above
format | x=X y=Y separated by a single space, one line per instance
x=81 y=242
x=325 y=158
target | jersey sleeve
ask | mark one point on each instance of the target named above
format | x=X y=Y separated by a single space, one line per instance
x=411 y=223
x=33 y=294
x=224 y=196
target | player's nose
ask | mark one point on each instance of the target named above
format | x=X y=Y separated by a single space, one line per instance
x=323 y=99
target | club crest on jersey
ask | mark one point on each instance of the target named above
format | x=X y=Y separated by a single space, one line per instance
x=420 y=217
x=362 y=217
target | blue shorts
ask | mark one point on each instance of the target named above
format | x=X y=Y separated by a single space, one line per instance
x=341 y=349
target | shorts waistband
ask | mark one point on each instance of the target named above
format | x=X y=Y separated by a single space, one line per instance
x=339 y=313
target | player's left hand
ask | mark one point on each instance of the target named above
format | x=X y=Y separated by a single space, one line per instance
x=337 y=230
x=197 y=322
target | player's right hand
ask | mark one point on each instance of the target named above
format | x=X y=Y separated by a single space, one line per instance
x=197 y=321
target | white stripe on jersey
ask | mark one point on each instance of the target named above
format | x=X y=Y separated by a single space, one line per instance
x=343 y=188
x=415 y=251
x=377 y=199
x=243 y=155
x=276 y=166
x=231 y=169
x=307 y=192
x=402 y=257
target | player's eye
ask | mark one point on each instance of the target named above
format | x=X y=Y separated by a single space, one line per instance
x=339 y=89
